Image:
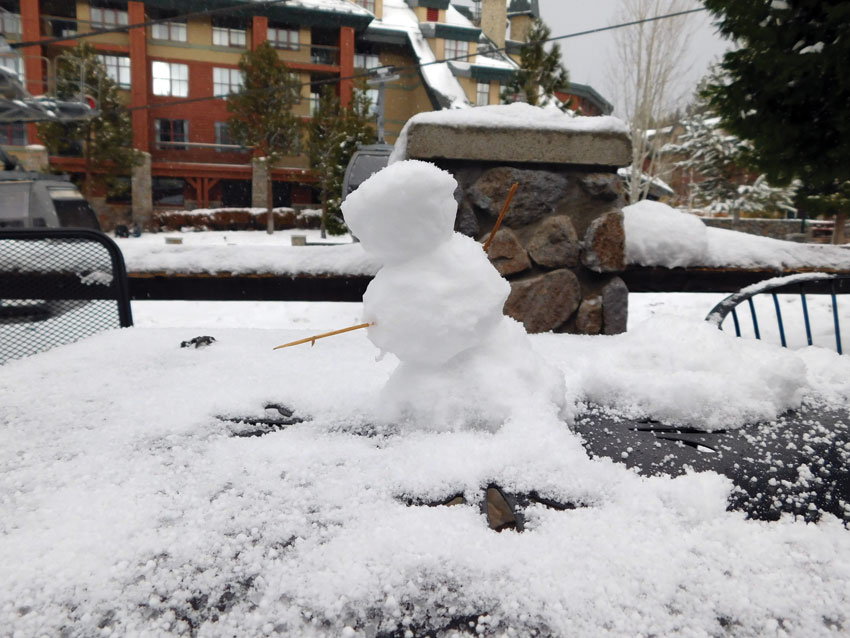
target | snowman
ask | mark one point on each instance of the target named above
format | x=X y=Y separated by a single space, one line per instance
x=436 y=304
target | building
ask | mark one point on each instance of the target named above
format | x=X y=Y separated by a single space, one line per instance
x=177 y=73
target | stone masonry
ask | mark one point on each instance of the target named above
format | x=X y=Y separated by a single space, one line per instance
x=562 y=243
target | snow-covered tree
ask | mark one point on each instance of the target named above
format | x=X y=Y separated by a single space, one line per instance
x=720 y=180
x=540 y=74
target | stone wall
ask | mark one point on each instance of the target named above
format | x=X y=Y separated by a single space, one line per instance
x=562 y=242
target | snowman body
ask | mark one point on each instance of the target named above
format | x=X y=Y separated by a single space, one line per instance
x=436 y=304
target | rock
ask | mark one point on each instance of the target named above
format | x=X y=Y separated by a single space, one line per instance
x=589 y=317
x=555 y=243
x=615 y=307
x=466 y=222
x=604 y=186
x=507 y=254
x=545 y=302
x=538 y=194
x=605 y=244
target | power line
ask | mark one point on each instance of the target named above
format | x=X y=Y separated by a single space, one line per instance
x=140 y=25
x=416 y=67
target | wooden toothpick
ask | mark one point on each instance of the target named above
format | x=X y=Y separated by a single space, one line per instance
x=312 y=340
x=501 y=216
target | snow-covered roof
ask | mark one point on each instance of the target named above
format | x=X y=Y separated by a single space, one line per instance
x=441 y=79
x=333 y=6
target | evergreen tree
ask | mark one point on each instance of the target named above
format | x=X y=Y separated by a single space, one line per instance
x=720 y=180
x=261 y=113
x=335 y=133
x=105 y=140
x=788 y=91
x=540 y=73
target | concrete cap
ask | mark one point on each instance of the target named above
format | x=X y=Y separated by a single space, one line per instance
x=431 y=141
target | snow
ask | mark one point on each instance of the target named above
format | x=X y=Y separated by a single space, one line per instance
x=437 y=305
x=658 y=235
x=335 y=6
x=817 y=47
x=398 y=16
x=129 y=509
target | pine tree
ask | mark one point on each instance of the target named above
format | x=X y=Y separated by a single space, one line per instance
x=787 y=92
x=721 y=183
x=261 y=113
x=104 y=140
x=335 y=133
x=540 y=74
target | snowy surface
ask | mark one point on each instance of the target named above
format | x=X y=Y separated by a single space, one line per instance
x=244 y=252
x=128 y=508
x=658 y=235
x=202 y=212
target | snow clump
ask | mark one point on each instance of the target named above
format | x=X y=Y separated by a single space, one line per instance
x=437 y=305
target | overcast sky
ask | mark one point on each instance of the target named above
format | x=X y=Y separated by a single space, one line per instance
x=588 y=58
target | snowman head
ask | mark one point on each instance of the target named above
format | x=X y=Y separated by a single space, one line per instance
x=403 y=211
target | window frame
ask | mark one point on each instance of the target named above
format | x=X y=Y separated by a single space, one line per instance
x=232 y=87
x=455 y=48
x=173 y=82
x=175 y=31
x=482 y=89
x=112 y=62
x=231 y=37
x=9 y=134
x=108 y=17
x=163 y=124
x=289 y=44
x=10 y=23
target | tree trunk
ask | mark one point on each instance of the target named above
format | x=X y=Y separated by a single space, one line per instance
x=324 y=215
x=838 y=229
x=269 y=199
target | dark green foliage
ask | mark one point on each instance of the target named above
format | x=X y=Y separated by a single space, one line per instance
x=540 y=73
x=334 y=135
x=104 y=141
x=788 y=91
x=261 y=113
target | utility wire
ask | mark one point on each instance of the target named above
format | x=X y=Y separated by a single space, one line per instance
x=413 y=67
x=140 y=25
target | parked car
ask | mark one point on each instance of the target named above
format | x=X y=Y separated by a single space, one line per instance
x=37 y=200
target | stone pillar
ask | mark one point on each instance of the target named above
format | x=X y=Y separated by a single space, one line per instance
x=142 y=191
x=562 y=243
x=346 y=65
x=259 y=183
x=35 y=158
x=140 y=72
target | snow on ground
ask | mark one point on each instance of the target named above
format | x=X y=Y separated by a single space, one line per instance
x=657 y=235
x=127 y=508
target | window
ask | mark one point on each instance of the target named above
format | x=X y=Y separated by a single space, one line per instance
x=483 y=94
x=227 y=37
x=14 y=64
x=433 y=15
x=105 y=17
x=117 y=68
x=174 y=31
x=283 y=38
x=10 y=22
x=170 y=132
x=170 y=79
x=222 y=136
x=369 y=5
x=456 y=48
x=226 y=81
x=167 y=191
x=315 y=99
x=366 y=61
x=13 y=134
x=372 y=94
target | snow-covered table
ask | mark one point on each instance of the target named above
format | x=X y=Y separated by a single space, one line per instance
x=130 y=505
